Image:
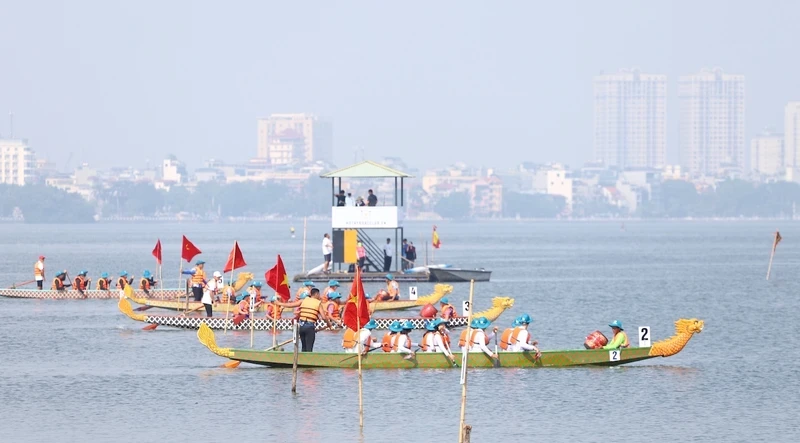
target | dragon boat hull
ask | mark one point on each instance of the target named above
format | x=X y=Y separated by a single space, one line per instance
x=285 y=324
x=685 y=329
x=51 y=294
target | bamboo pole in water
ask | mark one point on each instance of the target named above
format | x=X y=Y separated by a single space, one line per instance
x=465 y=356
x=294 y=364
x=305 y=229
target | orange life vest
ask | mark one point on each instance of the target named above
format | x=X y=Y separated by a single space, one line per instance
x=144 y=284
x=393 y=288
x=244 y=306
x=274 y=311
x=350 y=339
x=396 y=341
x=387 y=341
x=38 y=272
x=424 y=343
x=57 y=284
x=445 y=339
x=80 y=283
x=198 y=277
x=102 y=284
x=510 y=337
x=122 y=282
x=309 y=309
x=462 y=340
x=335 y=313
x=444 y=310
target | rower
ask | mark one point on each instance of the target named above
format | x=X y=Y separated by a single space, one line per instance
x=272 y=310
x=38 y=272
x=402 y=342
x=478 y=339
x=333 y=286
x=211 y=293
x=334 y=305
x=508 y=339
x=521 y=340
x=310 y=311
x=257 y=289
x=446 y=311
x=387 y=343
x=59 y=282
x=81 y=283
x=620 y=339
x=147 y=282
x=351 y=342
x=392 y=287
x=242 y=308
x=198 y=279
x=426 y=345
x=124 y=280
x=307 y=285
x=104 y=282
x=441 y=339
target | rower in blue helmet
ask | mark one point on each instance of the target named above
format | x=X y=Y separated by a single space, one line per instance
x=353 y=341
x=402 y=341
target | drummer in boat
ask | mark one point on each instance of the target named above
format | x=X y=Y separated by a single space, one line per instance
x=392 y=291
x=352 y=341
x=104 y=282
x=446 y=310
x=147 y=282
x=38 y=272
x=124 y=280
x=478 y=340
x=81 y=282
x=620 y=339
x=333 y=286
x=60 y=282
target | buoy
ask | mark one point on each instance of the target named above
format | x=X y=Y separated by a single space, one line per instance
x=595 y=340
x=428 y=311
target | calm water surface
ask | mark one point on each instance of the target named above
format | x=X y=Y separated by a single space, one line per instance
x=81 y=371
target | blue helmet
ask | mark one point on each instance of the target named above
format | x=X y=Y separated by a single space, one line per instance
x=444 y=300
x=371 y=324
x=199 y=262
x=525 y=319
x=84 y=272
x=408 y=325
x=274 y=298
x=242 y=296
x=257 y=284
x=395 y=326
x=146 y=273
x=389 y=277
x=123 y=274
x=304 y=295
x=104 y=275
x=430 y=326
x=515 y=323
x=334 y=296
x=308 y=283
x=480 y=323
x=616 y=324
x=333 y=283
x=439 y=321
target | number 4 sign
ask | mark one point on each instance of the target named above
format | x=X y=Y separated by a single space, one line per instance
x=412 y=292
x=644 y=336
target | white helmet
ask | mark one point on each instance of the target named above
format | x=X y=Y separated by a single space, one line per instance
x=217 y=274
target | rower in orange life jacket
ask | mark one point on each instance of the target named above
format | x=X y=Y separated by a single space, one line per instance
x=446 y=311
x=333 y=286
x=333 y=306
x=272 y=310
x=147 y=282
x=478 y=339
x=306 y=288
x=438 y=340
x=388 y=340
x=351 y=339
x=517 y=338
x=82 y=283
x=402 y=342
x=59 y=281
x=103 y=282
x=392 y=287
x=124 y=280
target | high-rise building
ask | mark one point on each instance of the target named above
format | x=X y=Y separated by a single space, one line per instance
x=630 y=119
x=791 y=136
x=766 y=154
x=294 y=138
x=17 y=162
x=712 y=122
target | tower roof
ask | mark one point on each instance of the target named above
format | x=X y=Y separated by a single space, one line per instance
x=366 y=169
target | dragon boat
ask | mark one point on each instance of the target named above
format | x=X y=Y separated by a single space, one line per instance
x=684 y=330
x=499 y=304
x=439 y=291
x=73 y=294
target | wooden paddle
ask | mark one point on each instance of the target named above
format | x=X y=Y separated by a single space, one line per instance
x=14 y=286
x=150 y=327
x=143 y=308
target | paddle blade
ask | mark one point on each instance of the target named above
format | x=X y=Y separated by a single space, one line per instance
x=142 y=308
x=232 y=364
x=149 y=327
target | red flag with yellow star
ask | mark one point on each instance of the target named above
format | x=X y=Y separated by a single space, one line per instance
x=188 y=249
x=278 y=280
x=356 y=311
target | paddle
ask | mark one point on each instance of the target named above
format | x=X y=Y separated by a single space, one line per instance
x=192 y=310
x=142 y=308
x=14 y=286
x=150 y=327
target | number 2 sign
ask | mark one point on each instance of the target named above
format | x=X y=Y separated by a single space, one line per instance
x=644 y=336
x=613 y=355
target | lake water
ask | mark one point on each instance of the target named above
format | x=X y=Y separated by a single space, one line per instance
x=81 y=371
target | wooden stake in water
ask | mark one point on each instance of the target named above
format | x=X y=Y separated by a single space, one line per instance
x=305 y=229
x=360 y=350
x=775 y=242
x=252 y=314
x=294 y=364
x=464 y=360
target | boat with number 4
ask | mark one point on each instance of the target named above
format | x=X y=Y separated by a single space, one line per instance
x=499 y=304
x=684 y=330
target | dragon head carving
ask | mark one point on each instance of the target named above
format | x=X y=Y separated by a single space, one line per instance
x=689 y=326
x=502 y=302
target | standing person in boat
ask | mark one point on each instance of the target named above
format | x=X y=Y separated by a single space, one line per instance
x=388 y=250
x=352 y=339
x=478 y=339
x=620 y=339
x=441 y=339
x=124 y=280
x=446 y=310
x=38 y=272
x=198 y=279
x=327 y=252
x=334 y=306
x=361 y=254
x=60 y=282
x=104 y=282
x=521 y=340
x=333 y=286
x=211 y=293
x=402 y=341
x=310 y=311
x=147 y=281
x=81 y=283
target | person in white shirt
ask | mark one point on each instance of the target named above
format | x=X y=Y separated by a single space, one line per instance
x=478 y=341
x=349 y=200
x=327 y=251
x=522 y=340
x=441 y=339
x=363 y=339
x=388 y=249
x=38 y=272
x=213 y=287
x=401 y=343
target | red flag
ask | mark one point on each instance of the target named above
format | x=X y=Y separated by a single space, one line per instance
x=235 y=259
x=157 y=251
x=188 y=250
x=778 y=239
x=356 y=311
x=278 y=280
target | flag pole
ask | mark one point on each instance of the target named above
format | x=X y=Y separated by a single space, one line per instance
x=305 y=221
x=772 y=254
x=228 y=306
x=360 y=351
x=465 y=354
x=186 y=290
x=275 y=320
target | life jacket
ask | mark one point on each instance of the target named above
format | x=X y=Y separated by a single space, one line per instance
x=335 y=313
x=325 y=292
x=79 y=283
x=393 y=288
x=144 y=284
x=122 y=282
x=102 y=284
x=396 y=342
x=625 y=343
x=387 y=341
x=58 y=285
x=445 y=339
x=424 y=343
x=36 y=271
x=510 y=337
x=299 y=293
x=198 y=277
x=274 y=311
x=350 y=339
x=445 y=308
x=361 y=252
x=244 y=307
x=309 y=309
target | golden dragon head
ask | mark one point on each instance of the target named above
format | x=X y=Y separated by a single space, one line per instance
x=690 y=326
x=502 y=302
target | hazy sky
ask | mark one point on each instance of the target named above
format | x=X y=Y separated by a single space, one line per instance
x=494 y=83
